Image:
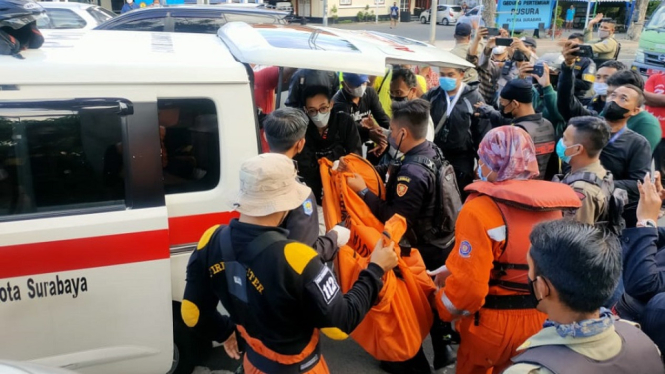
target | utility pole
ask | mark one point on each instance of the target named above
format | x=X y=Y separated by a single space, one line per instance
x=325 y=13
x=376 y=2
x=433 y=16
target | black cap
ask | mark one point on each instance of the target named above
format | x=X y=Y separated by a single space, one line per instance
x=519 y=90
x=463 y=29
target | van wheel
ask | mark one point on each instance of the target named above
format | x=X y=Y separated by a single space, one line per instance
x=188 y=350
x=445 y=22
x=423 y=20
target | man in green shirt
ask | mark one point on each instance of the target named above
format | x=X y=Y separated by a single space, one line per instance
x=606 y=47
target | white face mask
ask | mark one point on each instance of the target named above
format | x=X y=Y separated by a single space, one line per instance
x=358 y=91
x=320 y=119
x=130 y=1
x=602 y=34
x=600 y=88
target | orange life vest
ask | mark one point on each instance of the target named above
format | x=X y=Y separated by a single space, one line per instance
x=523 y=204
x=396 y=326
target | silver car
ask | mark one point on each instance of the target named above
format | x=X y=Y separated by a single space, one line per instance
x=474 y=14
x=445 y=14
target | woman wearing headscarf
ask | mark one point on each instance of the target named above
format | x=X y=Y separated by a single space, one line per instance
x=487 y=292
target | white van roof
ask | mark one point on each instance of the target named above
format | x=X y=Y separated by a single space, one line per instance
x=77 y=57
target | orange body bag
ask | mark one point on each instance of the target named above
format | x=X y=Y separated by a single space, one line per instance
x=396 y=326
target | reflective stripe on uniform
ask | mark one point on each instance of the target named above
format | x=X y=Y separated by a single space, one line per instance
x=498 y=234
x=451 y=308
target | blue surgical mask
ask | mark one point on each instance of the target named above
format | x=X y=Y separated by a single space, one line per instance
x=561 y=151
x=447 y=84
x=600 y=88
x=482 y=177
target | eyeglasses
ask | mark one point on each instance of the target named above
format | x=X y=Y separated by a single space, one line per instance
x=322 y=110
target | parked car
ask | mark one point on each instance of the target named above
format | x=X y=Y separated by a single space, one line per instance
x=650 y=55
x=192 y=19
x=72 y=15
x=474 y=14
x=445 y=14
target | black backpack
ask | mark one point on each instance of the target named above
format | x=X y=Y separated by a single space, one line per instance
x=615 y=199
x=448 y=201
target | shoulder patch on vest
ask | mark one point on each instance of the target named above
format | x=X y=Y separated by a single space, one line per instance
x=401 y=189
x=580 y=193
x=404 y=179
x=190 y=313
x=465 y=249
x=326 y=284
x=298 y=255
x=308 y=207
x=205 y=238
x=334 y=333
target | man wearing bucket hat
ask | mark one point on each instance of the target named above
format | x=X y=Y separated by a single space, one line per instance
x=278 y=292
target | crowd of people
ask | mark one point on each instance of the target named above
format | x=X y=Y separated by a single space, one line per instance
x=553 y=262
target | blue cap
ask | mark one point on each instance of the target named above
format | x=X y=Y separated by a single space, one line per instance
x=355 y=80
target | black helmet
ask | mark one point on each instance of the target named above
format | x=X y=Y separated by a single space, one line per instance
x=15 y=14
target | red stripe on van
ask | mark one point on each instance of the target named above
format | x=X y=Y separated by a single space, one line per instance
x=188 y=229
x=74 y=254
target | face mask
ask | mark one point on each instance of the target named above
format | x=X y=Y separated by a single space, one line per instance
x=130 y=1
x=561 y=151
x=504 y=114
x=602 y=34
x=482 y=177
x=519 y=56
x=613 y=112
x=320 y=119
x=532 y=291
x=600 y=88
x=398 y=98
x=447 y=84
x=358 y=91
x=394 y=143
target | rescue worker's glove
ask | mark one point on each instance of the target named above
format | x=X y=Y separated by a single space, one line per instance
x=343 y=235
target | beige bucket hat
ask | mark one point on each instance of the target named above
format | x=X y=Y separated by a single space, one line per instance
x=268 y=184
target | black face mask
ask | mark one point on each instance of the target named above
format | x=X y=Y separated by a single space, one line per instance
x=613 y=112
x=504 y=114
x=398 y=98
x=532 y=291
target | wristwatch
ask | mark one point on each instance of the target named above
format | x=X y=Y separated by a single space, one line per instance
x=647 y=223
x=363 y=192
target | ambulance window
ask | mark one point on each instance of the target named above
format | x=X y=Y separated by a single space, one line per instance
x=54 y=160
x=147 y=24
x=189 y=138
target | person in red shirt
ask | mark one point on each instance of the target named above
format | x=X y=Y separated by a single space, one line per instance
x=654 y=92
x=266 y=81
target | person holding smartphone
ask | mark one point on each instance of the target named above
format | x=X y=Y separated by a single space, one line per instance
x=606 y=47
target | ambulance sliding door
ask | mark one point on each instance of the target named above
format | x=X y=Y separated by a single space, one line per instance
x=84 y=254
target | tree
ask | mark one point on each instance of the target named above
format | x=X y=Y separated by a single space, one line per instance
x=489 y=12
x=635 y=29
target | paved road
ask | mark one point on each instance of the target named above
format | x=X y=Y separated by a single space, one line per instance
x=444 y=37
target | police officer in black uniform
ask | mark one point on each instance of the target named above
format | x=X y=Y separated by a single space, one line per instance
x=411 y=192
x=278 y=292
x=585 y=73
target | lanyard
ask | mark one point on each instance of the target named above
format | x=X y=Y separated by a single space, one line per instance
x=451 y=105
x=617 y=135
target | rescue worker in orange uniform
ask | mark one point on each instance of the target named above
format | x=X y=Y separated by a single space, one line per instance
x=485 y=289
x=278 y=292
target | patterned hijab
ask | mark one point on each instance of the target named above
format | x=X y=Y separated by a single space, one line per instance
x=510 y=153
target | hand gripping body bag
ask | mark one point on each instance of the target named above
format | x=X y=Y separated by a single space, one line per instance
x=395 y=327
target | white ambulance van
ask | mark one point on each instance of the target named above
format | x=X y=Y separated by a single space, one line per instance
x=117 y=151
